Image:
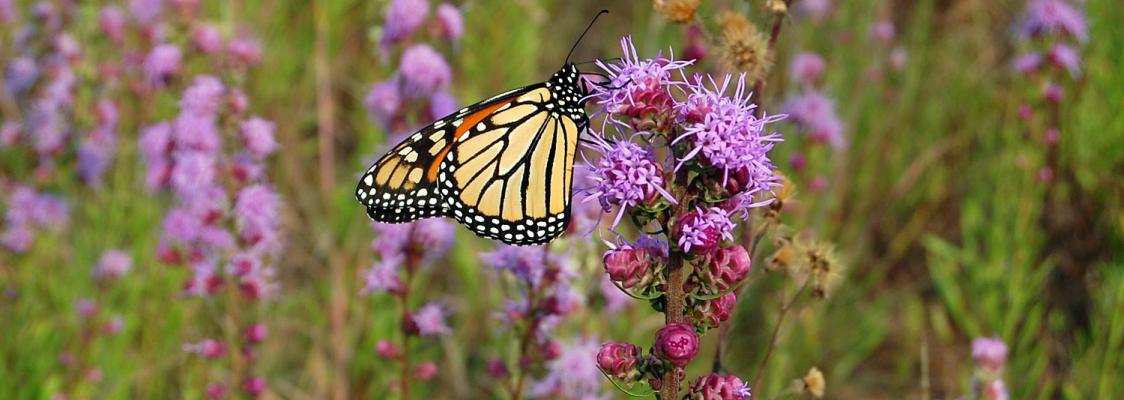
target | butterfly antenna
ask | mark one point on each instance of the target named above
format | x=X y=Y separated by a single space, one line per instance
x=583 y=34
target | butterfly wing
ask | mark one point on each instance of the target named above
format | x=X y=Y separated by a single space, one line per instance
x=403 y=186
x=510 y=177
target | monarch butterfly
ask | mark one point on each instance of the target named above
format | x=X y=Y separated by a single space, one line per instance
x=502 y=167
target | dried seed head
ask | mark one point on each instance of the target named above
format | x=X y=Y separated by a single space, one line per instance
x=823 y=270
x=783 y=194
x=744 y=49
x=776 y=7
x=812 y=384
x=787 y=254
x=677 y=11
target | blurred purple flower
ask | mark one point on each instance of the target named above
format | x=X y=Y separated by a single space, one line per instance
x=146 y=12
x=20 y=75
x=181 y=226
x=573 y=374
x=898 y=58
x=1066 y=57
x=627 y=175
x=441 y=104
x=246 y=50
x=526 y=263
x=1054 y=17
x=383 y=101
x=996 y=390
x=95 y=153
x=254 y=386
x=883 y=31
x=382 y=277
x=67 y=47
x=816 y=113
x=207 y=348
x=163 y=62
x=257 y=213
x=615 y=300
x=808 y=67
x=203 y=97
x=424 y=71
x=17 y=238
x=433 y=237
x=112 y=22
x=206 y=38
x=450 y=22
x=7 y=12
x=430 y=320
x=257 y=136
x=402 y=18
x=990 y=353
x=1028 y=63
x=113 y=264
x=815 y=9
x=10 y=133
x=193 y=172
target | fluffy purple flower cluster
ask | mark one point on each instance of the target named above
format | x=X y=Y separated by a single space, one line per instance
x=185 y=156
x=419 y=90
x=706 y=132
x=401 y=246
x=990 y=355
x=27 y=212
x=815 y=112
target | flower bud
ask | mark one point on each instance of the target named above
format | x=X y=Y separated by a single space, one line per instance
x=254 y=386
x=425 y=371
x=718 y=387
x=387 y=350
x=676 y=343
x=618 y=359
x=628 y=266
x=256 y=333
x=730 y=266
x=497 y=369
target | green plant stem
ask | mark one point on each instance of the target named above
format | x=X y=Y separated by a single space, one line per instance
x=776 y=333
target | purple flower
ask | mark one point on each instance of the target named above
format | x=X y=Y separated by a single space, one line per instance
x=726 y=134
x=718 y=387
x=615 y=299
x=816 y=9
x=573 y=374
x=257 y=210
x=111 y=20
x=677 y=343
x=1054 y=17
x=207 y=348
x=21 y=75
x=430 y=320
x=383 y=101
x=193 y=173
x=257 y=136
x=618 y=359
x=703 y=229
x=7 y=11
x=245 y=50
x=163 y=62
x=898 y=58
x=1066 y=57
x=206 y=38
x=18 y=238
x=816 y=113
x=996 y=390
x=626 y=176
x=67 y=47
x=433 y=237
x=182 y=226
x=1028 y=63
x=527 y=263
x=10 y=133
x=807 y=67
x=450 y=22
x=442 y=104
x=883 y=31
x=113 y=264
x=254 y=386
x=204 y=96
x=990 y=353
x=424 y=72
x=402 y=18
x=636 y=87
x=730 y=266
x=382 y=277
x=386 y=349
x=146 y=12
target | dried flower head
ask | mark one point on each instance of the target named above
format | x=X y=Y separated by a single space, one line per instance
x=813 y=383
x=677 y=11
x=821 y=268
x=743 y=48
x=777 y=7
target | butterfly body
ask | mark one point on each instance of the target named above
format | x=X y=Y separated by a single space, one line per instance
x=503 y=167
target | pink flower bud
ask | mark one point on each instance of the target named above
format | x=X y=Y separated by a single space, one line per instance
x=425 y=371
x=550 y=350
x=996 y=390
x=254 y=386
x=618 y=359
x=676 y=343
x=718 y=310
x=216 y=391
x=497 y=369
x=730 y=266
x=1053 y=93
x=387 y=350
x=989 y=353
x=206 y=38
x=718 y=387
x=256 y=333
x=628 y=266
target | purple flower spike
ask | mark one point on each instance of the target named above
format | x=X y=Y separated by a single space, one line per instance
x=402 y=18
x=637 y=86
x=718 y=387
x=1054 y=17
x=162 y=63
x=816 y=113
x=430 y=321
x=703 y=229
x=450 y=21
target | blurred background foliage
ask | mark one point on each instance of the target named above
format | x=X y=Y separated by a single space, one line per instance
x=935 y=206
